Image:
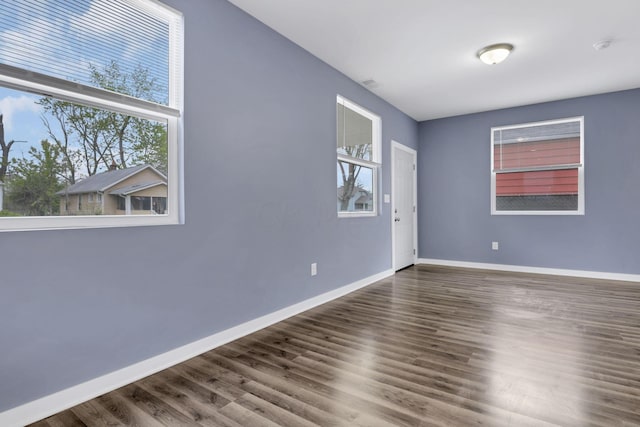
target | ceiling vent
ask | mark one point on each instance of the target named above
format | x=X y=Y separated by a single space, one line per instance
x=369 y=83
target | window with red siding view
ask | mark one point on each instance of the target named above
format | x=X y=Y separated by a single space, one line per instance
x=537 y=166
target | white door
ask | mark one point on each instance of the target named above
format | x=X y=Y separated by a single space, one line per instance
x=403 y=206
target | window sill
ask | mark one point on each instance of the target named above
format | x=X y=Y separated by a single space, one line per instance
x=83 y=222
x=356 y=214
x=543 y=213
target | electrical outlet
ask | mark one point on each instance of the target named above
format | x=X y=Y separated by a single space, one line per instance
x=314 y=268
x=495 y=246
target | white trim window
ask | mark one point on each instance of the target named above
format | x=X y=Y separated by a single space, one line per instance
x=538 y=168
x=99 y=88
x=358 y=152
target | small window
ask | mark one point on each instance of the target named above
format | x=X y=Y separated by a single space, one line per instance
x=538 y=168
x=159 y=205
x=140 y=203
x=358 y=150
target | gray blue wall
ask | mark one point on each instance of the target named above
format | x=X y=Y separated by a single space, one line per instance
x=454 y=191
x=260 y=181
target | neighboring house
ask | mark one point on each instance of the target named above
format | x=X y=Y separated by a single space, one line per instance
x=139 y=190
x=364 y=202
x=361 y=200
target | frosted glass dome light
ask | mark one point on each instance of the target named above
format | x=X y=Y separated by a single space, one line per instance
x=495 y=54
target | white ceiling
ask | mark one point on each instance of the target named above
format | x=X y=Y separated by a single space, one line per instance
x=422 y=53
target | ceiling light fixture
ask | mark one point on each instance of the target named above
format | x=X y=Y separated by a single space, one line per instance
x=602 y=44
x=495 y=54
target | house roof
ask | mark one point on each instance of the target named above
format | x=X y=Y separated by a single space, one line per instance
x=130 y=189
x=103 y=181
x=361 y=191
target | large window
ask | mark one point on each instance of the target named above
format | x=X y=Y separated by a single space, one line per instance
x=538 y=168
x=358 y=159
x=90 y=113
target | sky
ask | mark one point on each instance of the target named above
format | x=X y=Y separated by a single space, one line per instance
x=21 y=118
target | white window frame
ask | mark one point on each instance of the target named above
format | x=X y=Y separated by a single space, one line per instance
x=376 y=154
x=580 y=167
x=171 y=114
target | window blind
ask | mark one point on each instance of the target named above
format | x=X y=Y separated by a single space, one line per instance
x=549 y=146
x=355 y=133
x=68 y=39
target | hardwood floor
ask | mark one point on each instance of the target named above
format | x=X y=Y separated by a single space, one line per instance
x=429 y=346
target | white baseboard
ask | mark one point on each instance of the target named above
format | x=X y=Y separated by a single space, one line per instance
x=538 y=270
x=56 y=402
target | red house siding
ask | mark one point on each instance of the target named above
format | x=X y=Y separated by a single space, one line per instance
x=537 y=183
x=537 y=154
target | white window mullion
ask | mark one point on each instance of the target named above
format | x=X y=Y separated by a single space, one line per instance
x=539 y=168
x=361 y=162
x=41 y=84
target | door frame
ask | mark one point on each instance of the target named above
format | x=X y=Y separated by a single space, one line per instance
x=396 y=145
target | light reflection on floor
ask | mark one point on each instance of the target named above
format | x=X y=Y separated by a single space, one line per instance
x=533 y=374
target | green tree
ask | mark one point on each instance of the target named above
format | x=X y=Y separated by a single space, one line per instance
x=35 y=179
x=91 y=139
x=150 y=145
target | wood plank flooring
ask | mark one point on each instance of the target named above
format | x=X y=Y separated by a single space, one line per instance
x=430 y=346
